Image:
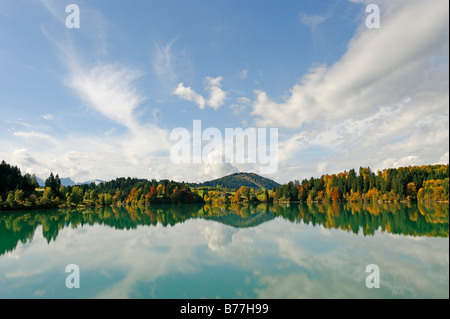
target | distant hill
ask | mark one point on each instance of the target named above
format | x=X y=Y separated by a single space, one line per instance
x=239 y=221
x=237 y=180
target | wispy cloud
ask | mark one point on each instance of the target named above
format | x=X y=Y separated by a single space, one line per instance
x=108 y=89
x=91 y=19
x=163 y=61
x=33 y=135
x=53 y=7
x=48 y=117
x=243 y=74
x=241 y=105
x=313 y=21
x=170 y=64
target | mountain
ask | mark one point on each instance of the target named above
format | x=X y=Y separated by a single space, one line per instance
x=67 y=181
x=40 y=181
x=237 y=180
x=96 y=181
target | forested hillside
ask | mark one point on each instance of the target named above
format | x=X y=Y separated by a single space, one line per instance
x=237 y=180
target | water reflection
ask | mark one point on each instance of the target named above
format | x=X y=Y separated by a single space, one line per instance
x=238 y=251
x=423 y=219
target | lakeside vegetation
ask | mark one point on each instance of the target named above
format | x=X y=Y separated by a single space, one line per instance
x=413 y=183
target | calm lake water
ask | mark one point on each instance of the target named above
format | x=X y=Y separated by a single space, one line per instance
x=264 y=251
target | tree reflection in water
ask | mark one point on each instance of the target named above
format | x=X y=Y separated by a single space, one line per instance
x=415 y=219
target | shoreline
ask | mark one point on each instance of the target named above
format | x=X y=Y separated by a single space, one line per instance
x=280 y=203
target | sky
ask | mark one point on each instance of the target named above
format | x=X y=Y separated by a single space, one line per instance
x=100 y=101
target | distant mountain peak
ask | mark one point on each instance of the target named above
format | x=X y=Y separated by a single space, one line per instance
x=67 y=181
x=96 y=181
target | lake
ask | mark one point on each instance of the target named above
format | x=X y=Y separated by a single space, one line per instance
x=236 y=251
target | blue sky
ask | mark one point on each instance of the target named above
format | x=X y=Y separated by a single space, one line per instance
x=100 y=101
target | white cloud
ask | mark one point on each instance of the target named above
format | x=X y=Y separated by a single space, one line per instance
x=216 y=99
x=48 y=117
x=23 y=157
x=380 y=68
x=27 y=163
x=217 y=95
x=108 y=89
x=211 y=170
x=444 y=159
x=388 y=91
x=217 y=235
x=188 y=94
x=321 y=167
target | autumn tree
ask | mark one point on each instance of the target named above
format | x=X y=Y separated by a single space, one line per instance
x=411 y=191
x=18 y=195
x=245 y=191
x=153 y=191
x=373 y=195
x=10 y=199
x=336 y=195
x=237 y=197
x=302 y=193
x=48 y=194
x=159 y=190
x=266 y=195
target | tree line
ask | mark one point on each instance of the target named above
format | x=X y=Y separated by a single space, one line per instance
x=22 y=192
x=412 y=183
